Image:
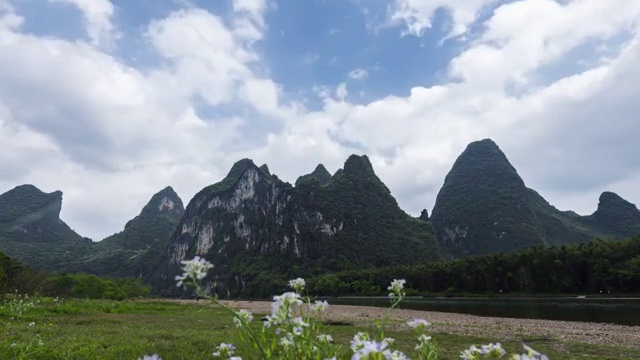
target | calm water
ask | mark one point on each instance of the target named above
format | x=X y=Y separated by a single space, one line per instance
x=615 y=311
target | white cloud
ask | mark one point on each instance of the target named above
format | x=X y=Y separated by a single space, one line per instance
x=417 y=15
x=358 y=74
x=341 y=91
x=109 y=135
x=97 y=15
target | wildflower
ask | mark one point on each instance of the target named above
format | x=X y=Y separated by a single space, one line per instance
x=286 y=341
x=32 y=324
x=281 y=308
x=243 y=315
x=195 y=269
x=224 y=350
x=373 y=349
x=530 y=355
x=397 y=289
x=423 y=341
x=14 y=345
x=494 y=350
x=396 y=355
x=358 y=340
x=320 y=306
x=325 y=338
x=150 y=357
x=470 y=354
x=418 y=323
x=297 y=284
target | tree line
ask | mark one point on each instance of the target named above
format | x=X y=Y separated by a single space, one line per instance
x=600 y=266
x=17 y=277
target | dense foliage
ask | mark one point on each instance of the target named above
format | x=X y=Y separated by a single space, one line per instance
x=258 y=230
x=594 y=267
x=93 y=287
x=137 y=250
x=33 y=233
x=484 y=207
x=16 y=277
x=320 y=174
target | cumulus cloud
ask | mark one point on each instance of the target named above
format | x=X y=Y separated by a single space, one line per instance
x=417 y=15
x=74 y=117
x=97 y=16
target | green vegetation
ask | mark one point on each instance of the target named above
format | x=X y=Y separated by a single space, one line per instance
x=32 y=232
x=320 y=174
x=137 y=250
x=260 y=231
x=484 y=207
x=102 y=329
x=593 y=267
x=17 y=278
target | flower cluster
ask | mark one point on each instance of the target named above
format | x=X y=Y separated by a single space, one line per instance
x=297 y=336
x=225 y=351
x=530 y=355
x=396 y=289
x=242 y=316
x=366 y=349
x=297 y=285
x=194 y=270
x=320 y=306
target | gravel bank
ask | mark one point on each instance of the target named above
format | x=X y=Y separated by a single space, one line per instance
x=498 y=329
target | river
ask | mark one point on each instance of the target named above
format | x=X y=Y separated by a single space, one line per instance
x=613 y=311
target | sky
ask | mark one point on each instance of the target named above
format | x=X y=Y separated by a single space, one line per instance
x=110 y=101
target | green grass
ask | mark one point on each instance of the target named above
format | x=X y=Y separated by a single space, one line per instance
x=102 y=329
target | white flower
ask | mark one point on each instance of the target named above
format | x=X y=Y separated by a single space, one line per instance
x=194 y=269
x=150 y=357
x=325 y=338
x=396 y=288
x=423 y=341
x=224 y=350
x=493 y=350
x=286 y=341
x=32 y=324
x=297 y=284
x=243 y=315
x=470 y=354
x=418 y=323
x=530 y=355
x=14 y=345
x=396 y=355
x=368 y=350
x=358 y=340
x=320 y=306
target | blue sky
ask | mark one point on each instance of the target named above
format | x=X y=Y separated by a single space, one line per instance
x=112 y=100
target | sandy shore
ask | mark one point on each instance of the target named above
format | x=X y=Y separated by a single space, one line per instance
x=497 y=329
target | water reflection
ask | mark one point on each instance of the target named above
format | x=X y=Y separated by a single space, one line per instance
x=615 y=311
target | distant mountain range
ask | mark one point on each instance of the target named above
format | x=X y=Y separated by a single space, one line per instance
x=259 y=231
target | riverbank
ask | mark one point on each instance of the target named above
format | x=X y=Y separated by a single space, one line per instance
x=498 y=329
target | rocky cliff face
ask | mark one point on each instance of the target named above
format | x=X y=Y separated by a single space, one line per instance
x=31 y=229
x=258 y=230
x=484 y=207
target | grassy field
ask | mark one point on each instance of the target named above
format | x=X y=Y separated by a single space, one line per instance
x=102 y=329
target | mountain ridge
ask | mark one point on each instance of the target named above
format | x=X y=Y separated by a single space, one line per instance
x=259 y=230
